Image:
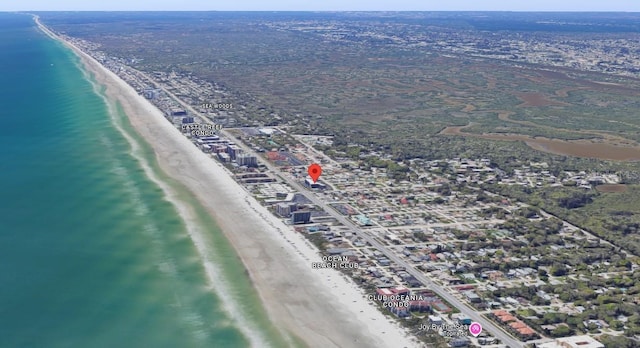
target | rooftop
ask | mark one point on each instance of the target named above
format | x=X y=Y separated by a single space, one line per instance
x=582 y=341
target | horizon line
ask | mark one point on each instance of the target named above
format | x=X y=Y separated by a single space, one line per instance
x=338 y=11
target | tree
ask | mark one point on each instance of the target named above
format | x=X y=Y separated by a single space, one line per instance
x=558 y=270
x=618 y=341
x=438 y=200
x=617 y=325
x=575 y=200
x=562 y=331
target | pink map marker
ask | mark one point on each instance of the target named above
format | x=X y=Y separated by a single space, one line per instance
x=475 y=328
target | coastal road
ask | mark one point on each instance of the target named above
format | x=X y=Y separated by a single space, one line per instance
x=438 y=289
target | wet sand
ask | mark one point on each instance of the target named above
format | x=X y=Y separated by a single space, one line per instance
x=321 y=307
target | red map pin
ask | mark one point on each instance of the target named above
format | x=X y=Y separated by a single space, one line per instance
x=314 y=172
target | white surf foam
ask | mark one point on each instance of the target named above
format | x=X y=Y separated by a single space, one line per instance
x=166 y=264
x=216 y=281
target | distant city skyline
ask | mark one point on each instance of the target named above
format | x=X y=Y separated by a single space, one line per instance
x=326 y=5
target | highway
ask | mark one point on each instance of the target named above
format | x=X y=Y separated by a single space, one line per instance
x=438 y=289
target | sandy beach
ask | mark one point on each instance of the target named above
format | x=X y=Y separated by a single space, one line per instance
x=322 y=307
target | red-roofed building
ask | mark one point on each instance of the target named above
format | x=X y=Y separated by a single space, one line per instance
x=384 y=292
x=526 y=331
x=518 y=325
x=275 y=156
x=507 y=318
x=401 y=290
x=465 y=287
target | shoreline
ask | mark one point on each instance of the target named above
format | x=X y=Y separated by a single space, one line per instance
x=322 y=307
x=185 y=210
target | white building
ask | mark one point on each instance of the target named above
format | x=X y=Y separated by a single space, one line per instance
x=582 y=341
x=435 y=320
x=245 y=159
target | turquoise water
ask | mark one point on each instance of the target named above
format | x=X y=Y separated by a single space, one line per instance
x=91 y=253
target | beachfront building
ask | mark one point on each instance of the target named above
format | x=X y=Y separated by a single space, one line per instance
x=233 y=151
x=435 y=320
x=460 y=342
x=399 y=310
x=285 y=209
x=178 y=112
x=300 y=217
x=151 y=93
x=245 y=159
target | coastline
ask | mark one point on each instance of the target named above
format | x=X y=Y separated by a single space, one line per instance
x=322 y=307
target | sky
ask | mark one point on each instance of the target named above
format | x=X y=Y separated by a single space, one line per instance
x=321 y=5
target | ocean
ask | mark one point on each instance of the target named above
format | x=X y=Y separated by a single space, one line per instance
x=92 y=253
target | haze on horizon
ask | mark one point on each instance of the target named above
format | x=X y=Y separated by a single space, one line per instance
x=326 y=5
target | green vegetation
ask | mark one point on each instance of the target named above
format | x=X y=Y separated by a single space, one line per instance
x=371 y=94
x=318 y=240
x=394 y=170
x=613 y=216
x=618 y=341
x=385 y=105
